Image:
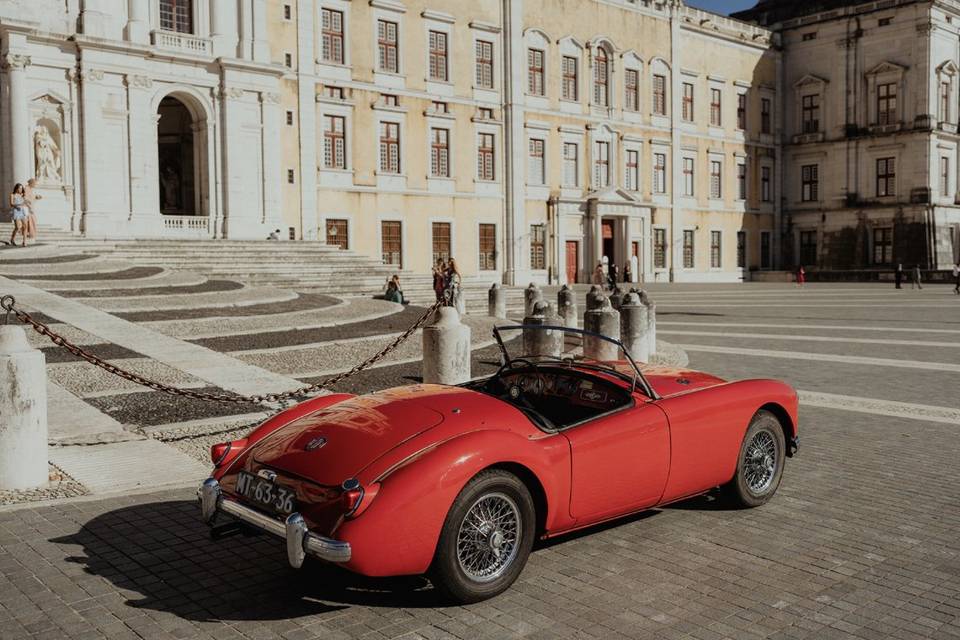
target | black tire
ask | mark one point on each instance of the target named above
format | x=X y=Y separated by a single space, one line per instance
x=448 y=574
x=753 y=484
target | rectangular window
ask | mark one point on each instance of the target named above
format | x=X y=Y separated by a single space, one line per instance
x=176 y=15
x=715 y=250
x=485 y=113
x=571 y=164
x=389 y=147
x=812 y=35
x=765 y=250
x=716 y=179
x=288 y=60
x=332 y=36
x=884 y=22
x=440 y=107
x=741 y=249
x=766 y=116
x=484 y=64
x=440 y=233
x=808 y=247
x=289 y=118
x=488 y=247
x=438 y=55
x=688 y=177
x=334 y=93
x=536 y=168
x=883 y=245
x=485 y=162
x=766 y=194
x=944 y=176
x=810 y=183
x=741 y=181
x=287 y=12
x=440 y=153
x=601 y=165
x=569 y=72
x=741 y=111
x=338 y=234
x=601 y=77
x=291 y=176
x=688 y=102
x=631 y=84
x=659 y=173
x=632 y=178
x=391 y=99
x=391 y=243
x=688 y=249
x=660 y=248
x=716 y=107
x=886 y=177
x=887 y=103
x=388 y=58
x=538 y=246
x=334 y=142
x=944 y=102
x=660 y=95
x=811 y=113
x=535 y=86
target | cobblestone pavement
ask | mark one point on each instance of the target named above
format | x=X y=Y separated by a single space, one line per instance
x=861 y=541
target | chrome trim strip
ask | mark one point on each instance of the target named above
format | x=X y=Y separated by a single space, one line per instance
x=299 y=540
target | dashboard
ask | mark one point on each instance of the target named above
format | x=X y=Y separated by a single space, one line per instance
x=563 y=390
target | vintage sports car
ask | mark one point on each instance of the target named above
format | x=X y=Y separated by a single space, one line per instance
x=456 y=482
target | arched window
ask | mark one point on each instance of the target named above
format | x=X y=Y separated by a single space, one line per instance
x=601 y=78
x=176 y=15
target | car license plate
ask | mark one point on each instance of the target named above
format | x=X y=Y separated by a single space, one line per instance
x=266 y=493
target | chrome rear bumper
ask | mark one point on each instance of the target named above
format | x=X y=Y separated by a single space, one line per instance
x=300 y=541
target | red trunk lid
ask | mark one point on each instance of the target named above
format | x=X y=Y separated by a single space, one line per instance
x=346 y=437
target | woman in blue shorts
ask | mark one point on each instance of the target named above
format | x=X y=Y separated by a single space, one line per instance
x=18 y=206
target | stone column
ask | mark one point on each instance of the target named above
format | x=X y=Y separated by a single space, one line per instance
x=21 y=152
x=261 y=43
x=271 y=115
x=23 y=405
x=446 y=349
x=223 y=28
x=142 y=125
x=513 y=160
x=138 y=21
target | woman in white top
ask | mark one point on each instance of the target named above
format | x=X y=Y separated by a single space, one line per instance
x=18 y=206
x=31 y=197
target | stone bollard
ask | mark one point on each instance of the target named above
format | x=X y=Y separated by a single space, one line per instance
x=446 y=349
x=616 y=298
x=459 y=301
x=497 y=301
x=606 y=321
x=567 y=307
x=595 y=298
x=530 y=296
x=542 y=342
x=634 y=328
x=652 y=326
x=23 y=412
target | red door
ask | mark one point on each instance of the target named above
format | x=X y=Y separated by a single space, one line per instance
x=620 y=462
x=573 y=260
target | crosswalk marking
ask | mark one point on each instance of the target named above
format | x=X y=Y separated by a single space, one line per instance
x=823 y=357
x=907 y=410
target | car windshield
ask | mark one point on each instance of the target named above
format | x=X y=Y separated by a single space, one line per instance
x=570 y=352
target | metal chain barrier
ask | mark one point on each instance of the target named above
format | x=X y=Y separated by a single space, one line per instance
x=9 y=303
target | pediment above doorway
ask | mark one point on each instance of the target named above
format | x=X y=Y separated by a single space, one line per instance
x=613 y=196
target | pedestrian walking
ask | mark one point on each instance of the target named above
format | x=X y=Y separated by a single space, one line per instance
x=30 y=196
x=612 y=276
x=915 y=281
x=598 y=276
x=956 y=278
x=18 y=207
x=801 y=276
x=898 y=276
x=439 y=271
x=627 y=272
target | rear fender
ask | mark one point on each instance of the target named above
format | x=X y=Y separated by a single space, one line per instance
x=397 y=534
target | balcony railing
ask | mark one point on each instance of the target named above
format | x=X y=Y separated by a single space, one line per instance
x=186 y=226
x=181 y=42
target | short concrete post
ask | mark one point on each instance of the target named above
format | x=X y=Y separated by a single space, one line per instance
x=446 y=349
x=567 y=307
x=633 y=328
x=595 y=298
x=652 y=326
x=497 y=301
x=616 y=298
x=542 y=342
x=530 y=296
x=459 y=301
x=606 y=321
x=23 y=412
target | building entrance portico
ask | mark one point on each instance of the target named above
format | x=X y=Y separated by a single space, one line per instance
x=182 y=165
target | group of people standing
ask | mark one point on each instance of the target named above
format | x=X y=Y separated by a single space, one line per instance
x=611 y=276
x=23 y=207
x=446 y=277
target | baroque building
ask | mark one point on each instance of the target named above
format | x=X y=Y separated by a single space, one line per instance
x=871 y=107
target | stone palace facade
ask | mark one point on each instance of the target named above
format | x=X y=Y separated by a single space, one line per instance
x=530 y=139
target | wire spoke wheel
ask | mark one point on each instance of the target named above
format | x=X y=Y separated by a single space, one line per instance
x=489 y=537
x=760 y=462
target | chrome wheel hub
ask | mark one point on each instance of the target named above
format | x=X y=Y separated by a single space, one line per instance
x=759 y=463
x=489 y=537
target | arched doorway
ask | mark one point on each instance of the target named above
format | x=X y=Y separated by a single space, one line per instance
x=178 y=160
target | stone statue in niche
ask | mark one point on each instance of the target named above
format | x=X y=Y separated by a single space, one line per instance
x=47 y=153
x=170 y=192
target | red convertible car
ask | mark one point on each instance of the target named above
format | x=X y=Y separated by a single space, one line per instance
x=456 y=482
